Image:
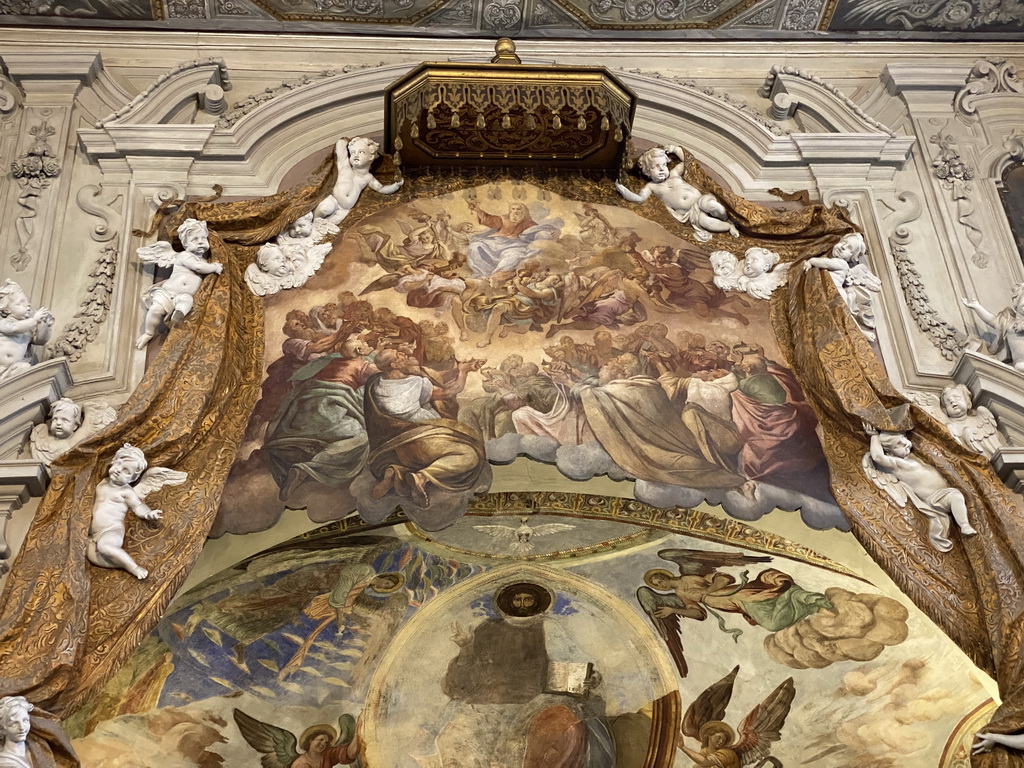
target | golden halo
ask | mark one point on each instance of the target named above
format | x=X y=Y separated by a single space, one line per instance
x=648 y=577
x=398 y=577
x=315 y=730
x=716 y=726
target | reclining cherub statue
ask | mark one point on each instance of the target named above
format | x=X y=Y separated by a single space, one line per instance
x=115 y=497
x=169 y=301
x=355 y=157
x=892 y=466
x=704 y=212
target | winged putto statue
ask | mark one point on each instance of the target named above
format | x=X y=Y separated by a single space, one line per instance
x=292 y=258
x=520 y=538
x=759 y=730
x=322 y=745
x=772 y=600
x=854 y=280
x=115 y=496
x=69 y=425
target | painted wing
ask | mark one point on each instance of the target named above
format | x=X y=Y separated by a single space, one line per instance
x=276 y=744
x=155 y=478
x=697 y=562
x=501 y=532
x=346 y=730
x=160 y=253
x=861 y=276
x=763 y=726
x=390 y=280
x=548 y=528
x=667 y=627
x=710 y=705
x=885 y=481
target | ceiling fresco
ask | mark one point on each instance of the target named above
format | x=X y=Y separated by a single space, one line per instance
x=629 y=19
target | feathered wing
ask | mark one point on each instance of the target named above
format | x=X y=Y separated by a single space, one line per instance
x=276 y=744
x=260 y=283
x=885 y=481
x=697 y=562
x=97 y=416
x=323 y=228
x=548 y=528
x=155 y=478
x=502 y=532
x=861 y=276
x=346 y=730
x=763 y=726
x=985 y=428
x=160 y=253
x=315 y=256
x=710 y=705
x=668 y=627
x=390 y=280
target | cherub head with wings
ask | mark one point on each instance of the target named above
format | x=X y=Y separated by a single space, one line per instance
x=759 y=730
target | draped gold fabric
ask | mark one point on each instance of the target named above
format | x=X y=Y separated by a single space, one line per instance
x=974 y=593
x=65 y=624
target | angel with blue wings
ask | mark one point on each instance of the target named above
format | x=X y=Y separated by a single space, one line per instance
x=322 y=746
x=759 y=730
x=772 y=600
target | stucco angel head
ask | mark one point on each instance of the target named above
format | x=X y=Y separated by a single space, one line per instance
x=654 y=164
x=194 y=236
x=758 y=261
x=851 y=248
x=272 y=259
x=128 y=464
x=65 y=418
x=362 y=152
x=302 y=227
x=956 y=401
x=723 y=263
x=13 y=301
x=14 y=719
x=896 y=444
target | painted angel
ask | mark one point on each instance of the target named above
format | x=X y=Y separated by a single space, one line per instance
x=759 y=730
x=892 y=466
x=761 y=273
x=322 y=745
x=520 y=538
x=115 y=496
x=69 y=425
x=855 y=282
x=170 y=300
x=767 y=601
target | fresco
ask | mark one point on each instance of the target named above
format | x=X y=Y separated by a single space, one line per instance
x=644 y=648
x=467 y=329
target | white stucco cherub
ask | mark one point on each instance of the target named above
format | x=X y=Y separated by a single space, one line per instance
x=292 y=259
x=973 y=428
x=704 y=212
x=727 y=270
x=892 y=466
x=15 y=724
x=69 y=425
x=20 y=329
x=115 y=496
x=762 y=273
x=355 y=157
x=854 y=280
x=168 y=301
x=1008 y=345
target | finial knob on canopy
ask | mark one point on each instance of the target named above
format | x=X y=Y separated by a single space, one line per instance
x=505 y=52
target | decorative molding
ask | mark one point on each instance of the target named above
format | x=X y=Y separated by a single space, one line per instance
x=8 y=96
x=33 y=171
x=956 y=176
x=1014 y=144
x=943 y=336
x=249 y=103
x=724 y=97
x=186 y=9
x=802 y=14
x=987 y=77
x=503 y=15
x=772 y=81
x=149 y=91
x=91 y=200
x=84 y=326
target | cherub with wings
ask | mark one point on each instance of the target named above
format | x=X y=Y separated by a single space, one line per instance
x=114 y=497
x=69 y=425
x=170 y=300
x=719 y=747
x=773 y=600
x=854 y=280
x=521 y=537
x=322 y=746
x=292 y=258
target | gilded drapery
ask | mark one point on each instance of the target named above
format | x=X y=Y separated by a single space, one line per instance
x=65 y=625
